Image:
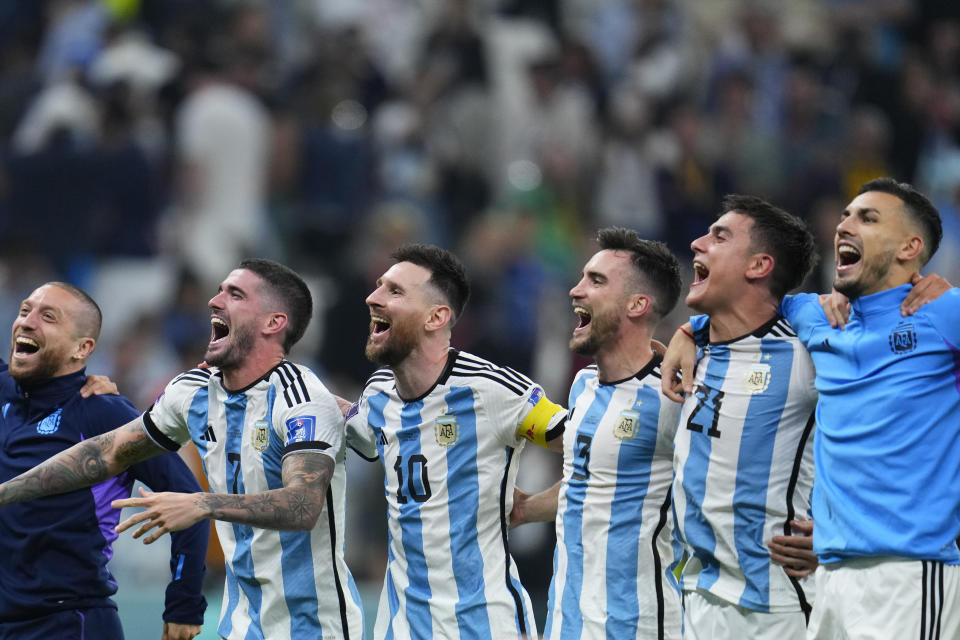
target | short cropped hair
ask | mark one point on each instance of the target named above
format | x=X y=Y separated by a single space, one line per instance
x=91 y=318
x=918 y=207
x=784 y=236
x=446 y=272
x=656 y=267
x=289 y=291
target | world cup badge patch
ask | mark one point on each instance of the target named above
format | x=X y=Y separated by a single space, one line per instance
x=903 y=339
x=261 y=438
x=757 y=378
x=447 y=431
x=626 y=427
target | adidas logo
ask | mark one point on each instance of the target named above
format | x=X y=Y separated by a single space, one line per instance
x=209 y=435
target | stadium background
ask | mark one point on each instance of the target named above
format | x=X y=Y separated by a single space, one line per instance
x=145 y=146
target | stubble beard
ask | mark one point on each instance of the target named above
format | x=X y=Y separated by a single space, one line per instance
x=869 y=274
x=602 y=329
x=394 y=350
x=232 y=357
x=45 y=367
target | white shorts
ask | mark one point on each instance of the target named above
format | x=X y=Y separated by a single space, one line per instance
x=884 y=598
x=707 y=617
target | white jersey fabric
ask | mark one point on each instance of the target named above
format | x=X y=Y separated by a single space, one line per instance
x=279 y=584
x=744 y=465
x=613 y=566
x=450 y=461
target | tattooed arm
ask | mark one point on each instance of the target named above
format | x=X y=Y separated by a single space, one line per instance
x=306 y=476
x=85 y=463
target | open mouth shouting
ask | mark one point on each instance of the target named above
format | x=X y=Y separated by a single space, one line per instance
x=700 y=273
x=24 y=347
x=848 y=257
x=379 y=326
x=219 y=330
x=583 y=318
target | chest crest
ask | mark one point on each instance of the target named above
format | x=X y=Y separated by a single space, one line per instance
x=261 y=437
x=626 y=425
x=447 y=430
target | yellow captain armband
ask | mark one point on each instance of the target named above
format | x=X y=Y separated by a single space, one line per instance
x=534 y=427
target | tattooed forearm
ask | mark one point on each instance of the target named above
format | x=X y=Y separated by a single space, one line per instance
x=297 y=505
x=84 y=464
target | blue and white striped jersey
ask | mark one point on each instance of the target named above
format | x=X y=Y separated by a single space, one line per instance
x=743 y=459
x=279 y=584
x=450 y=462
x=612 y=569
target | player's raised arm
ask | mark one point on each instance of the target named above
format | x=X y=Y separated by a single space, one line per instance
x=306 y=476
x=82 y=465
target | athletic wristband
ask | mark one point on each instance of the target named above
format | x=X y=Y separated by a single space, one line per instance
x=687 y=333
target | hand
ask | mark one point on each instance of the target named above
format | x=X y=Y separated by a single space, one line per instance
x=518 y=514
x=681 y=357
x=795 y=552
x=925 y=288
x=837 y=308
x=177 y=631
x=166 y=511
x=98 y=386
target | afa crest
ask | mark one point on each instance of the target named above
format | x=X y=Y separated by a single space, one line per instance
x=261 y=435
x=626 y=427
x=903 y=339
x=757 y=378
x=50 y=424
x=447 y=430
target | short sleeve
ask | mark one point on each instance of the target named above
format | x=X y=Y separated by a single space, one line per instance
x=700 y=325
x=166 y=420
x=360 y=435
x=306 y=416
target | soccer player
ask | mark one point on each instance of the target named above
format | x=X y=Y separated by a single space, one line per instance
x=271 y=439
x=55 y=581
x=743 y=451
x=886 y=500
x=613 y=562
x=448 y=427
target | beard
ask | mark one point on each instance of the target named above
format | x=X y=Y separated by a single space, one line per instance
x=45 y=366
x=241 y=344
x=870 y=274
x=395 y=349
x=602 y=329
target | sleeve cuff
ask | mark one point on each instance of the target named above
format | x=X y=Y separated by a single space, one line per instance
x=156 y=435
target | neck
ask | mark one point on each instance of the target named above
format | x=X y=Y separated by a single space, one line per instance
x=629 y=355
x=252 y=369
x=743 y=317
x=420 y=370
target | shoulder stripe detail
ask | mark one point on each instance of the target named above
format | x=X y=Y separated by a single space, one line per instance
x=294 y=388
x=197 y=375
x=489 y=375
x=467 y=360
x=384 y=374
x=782 y=329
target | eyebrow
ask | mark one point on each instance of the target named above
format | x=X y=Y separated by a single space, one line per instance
x=717 y=229
x=595 y=274
x=232 y=288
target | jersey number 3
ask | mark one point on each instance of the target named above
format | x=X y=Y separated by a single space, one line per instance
x=708 y=402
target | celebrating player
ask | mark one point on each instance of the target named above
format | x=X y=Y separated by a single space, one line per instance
x=613 y=563
x=271 y=439
x=448 y=427
x=55 y=581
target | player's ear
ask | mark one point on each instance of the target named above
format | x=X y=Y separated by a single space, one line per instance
x=438 y=317
x=760 y=266
x=911 y=248
x=85 y=347
x=638 y=305
x=275 y=323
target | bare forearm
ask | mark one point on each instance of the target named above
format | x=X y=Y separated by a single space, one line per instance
x=82 y=465
x=542 y=507
x=296 y=506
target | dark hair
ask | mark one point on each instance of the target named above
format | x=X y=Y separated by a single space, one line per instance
x=290 y=292
x=785 y=237
x=446 y=272
x=88 y=326
x=656 y=266
x=919 y=208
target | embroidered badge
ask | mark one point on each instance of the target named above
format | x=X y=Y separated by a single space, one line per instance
x=301 y=429
x=626 y=427
x=447 y=430
x=50 y=424
x=757 y=378
x=261 y=437
x=903 y=339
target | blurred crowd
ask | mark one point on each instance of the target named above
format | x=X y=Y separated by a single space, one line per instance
x=147 y=145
